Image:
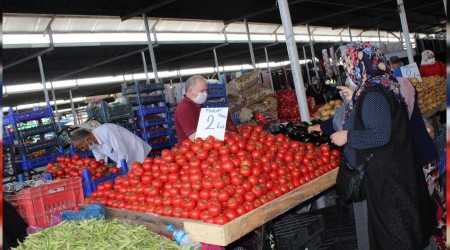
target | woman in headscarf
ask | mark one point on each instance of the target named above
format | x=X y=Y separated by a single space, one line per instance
x=396 y=213
x=317 y=90
x=430 y=66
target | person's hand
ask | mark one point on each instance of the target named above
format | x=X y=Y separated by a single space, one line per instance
x=345 y=92
x=314 y=128
x=339 y=138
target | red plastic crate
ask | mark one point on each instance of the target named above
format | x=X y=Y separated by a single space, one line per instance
x=37 y=204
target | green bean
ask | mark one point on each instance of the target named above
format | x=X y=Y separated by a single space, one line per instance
x=96 y=234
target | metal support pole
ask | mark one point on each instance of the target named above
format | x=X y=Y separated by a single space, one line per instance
x=379 y=36
x=445 y=7
x=56 y=106
x=269 y=69
x=250 y=46
x=313 y=55
x=350 y=34
x=217 y=64
x=293 y=57
x=74 y=114
x=145 y=67
x=404 y=22
x=150 y=48
x=41 y=69
x=306 y=63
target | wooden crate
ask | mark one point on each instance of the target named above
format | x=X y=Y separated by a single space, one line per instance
x=223 y=235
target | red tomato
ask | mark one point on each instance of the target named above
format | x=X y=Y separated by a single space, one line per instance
x=214 y=209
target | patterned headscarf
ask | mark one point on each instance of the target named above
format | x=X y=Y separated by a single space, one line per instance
x=366 y=65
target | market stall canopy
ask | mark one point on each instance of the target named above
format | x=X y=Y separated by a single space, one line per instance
x=106 y=38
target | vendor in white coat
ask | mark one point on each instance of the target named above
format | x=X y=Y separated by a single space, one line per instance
x=113 y=141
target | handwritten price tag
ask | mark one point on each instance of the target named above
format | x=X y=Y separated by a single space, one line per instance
x=410 y=71
x=213 y=122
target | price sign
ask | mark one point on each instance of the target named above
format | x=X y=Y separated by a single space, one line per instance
x=213 y=122
x=410 y=71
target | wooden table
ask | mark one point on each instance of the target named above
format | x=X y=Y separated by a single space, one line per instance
x=223 y=235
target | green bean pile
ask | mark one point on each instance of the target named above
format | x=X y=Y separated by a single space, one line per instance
x=96 y=234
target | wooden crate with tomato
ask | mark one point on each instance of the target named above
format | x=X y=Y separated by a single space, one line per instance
x=220 y=190
x=223 y=235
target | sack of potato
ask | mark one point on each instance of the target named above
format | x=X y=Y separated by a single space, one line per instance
x=327 y=111
x=431 y=92
x=245 y=81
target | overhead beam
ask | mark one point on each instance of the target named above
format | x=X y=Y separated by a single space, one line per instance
x=386 y=15
x=39 y=53
x=340 y=13
x=98 y=64
x=257 y=13
x=147 y=9
x=193 y=53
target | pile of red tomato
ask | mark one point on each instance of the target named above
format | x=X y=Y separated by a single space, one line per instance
x=218 y=181
x=66 y=167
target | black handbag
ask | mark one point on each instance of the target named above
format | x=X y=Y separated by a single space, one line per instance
x=350 y=181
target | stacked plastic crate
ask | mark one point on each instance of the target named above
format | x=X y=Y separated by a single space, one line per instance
x=217 y=95
x=9 y=164
x=36 y=153
x=151 y=115
x=120 y=114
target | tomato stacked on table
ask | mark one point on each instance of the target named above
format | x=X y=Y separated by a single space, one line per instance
x=218 y=181
x=66 y=167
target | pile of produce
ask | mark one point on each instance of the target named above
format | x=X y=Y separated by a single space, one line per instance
x=247 y=96
x=218 y=181
x=327 y=111
x=66 y=167
x=288 y=110
x=431 y=92
x=299 y=132
x=96 y=234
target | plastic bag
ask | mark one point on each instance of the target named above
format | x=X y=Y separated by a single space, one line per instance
x=338 y=118
x=55 y=219
x=93 y=211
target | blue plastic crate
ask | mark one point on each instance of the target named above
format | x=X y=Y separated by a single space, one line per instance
x=216 y=90
x=41 y=145
x=159 y=145
x=33 y=115
x=147 y=99
x=39 y=162
x=89 y=185
x=8 y=138
x=216 y=104
x=150 y=111
x=7 y=120
x=145 y=124
x=106 y=114
x=144 y=88
x=158 y=133
x=36 y=130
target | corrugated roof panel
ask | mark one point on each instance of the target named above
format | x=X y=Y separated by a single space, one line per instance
x=16 y=24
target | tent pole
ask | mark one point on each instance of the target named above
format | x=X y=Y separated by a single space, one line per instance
x=250 y=46
x=404 y=22
x=293 y=57
x=150 y=48
x=313 y=55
